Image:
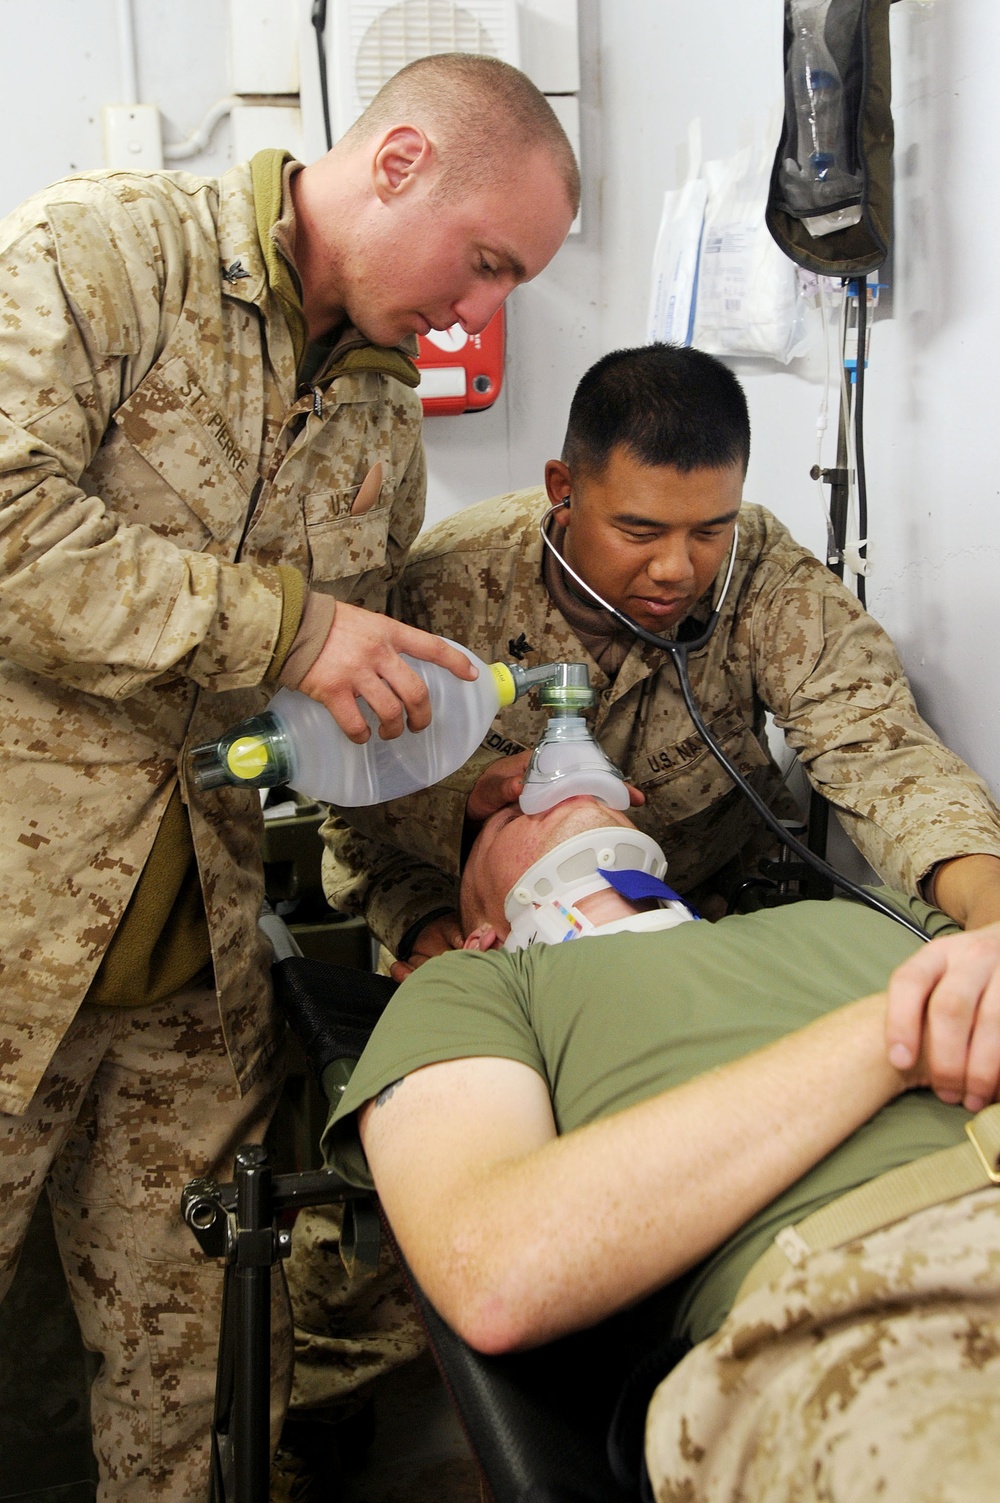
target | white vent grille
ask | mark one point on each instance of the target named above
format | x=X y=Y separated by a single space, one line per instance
x=415 y=29
x=375 y=40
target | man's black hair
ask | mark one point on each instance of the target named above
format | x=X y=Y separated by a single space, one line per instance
x=666 y=404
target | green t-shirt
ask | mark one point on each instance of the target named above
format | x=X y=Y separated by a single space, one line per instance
x=608 y=1021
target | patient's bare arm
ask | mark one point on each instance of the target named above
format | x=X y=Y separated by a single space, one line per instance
x=519 y=1235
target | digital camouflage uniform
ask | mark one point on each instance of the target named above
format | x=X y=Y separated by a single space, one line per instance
x=790 y=639
x=350 y=1329
x=149 y=415
x=136 y=1102
x=872 y=1371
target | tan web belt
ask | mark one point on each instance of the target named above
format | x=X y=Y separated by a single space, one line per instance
x=925 y=1182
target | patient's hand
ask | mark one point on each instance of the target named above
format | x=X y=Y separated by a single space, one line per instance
x=945 y=1002
x=436 y=938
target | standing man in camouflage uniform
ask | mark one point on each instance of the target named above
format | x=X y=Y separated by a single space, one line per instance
x=646 y=498
x=210 y=473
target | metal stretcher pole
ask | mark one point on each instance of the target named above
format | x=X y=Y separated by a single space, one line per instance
x=239 y=1222
x=255 y=1257
x=334 y=1012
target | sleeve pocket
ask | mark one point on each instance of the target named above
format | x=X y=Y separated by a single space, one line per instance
x=94 y=278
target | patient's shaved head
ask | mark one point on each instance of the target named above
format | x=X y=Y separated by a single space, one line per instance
x=510 y=842
x=481 y=114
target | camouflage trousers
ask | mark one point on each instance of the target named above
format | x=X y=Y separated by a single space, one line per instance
x=134 y=1104
x=873 y=1371
x=349 y=1331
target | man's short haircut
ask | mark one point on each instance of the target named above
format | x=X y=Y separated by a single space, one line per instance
x=666 y=404
x=484 y=113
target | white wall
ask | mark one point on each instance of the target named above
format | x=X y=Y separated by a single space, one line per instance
x=648 y=66
x=60 y=62
x=934 y=409
x=662 y=64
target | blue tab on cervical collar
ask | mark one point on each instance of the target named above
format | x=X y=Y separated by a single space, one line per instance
x=636 y=885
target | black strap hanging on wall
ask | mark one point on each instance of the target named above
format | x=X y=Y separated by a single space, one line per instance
x=829 y=204
x=318 y=19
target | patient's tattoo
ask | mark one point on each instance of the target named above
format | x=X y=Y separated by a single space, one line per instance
x=386 y=1091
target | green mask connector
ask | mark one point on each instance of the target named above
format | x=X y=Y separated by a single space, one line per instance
x=563 y=687
x=569 y=692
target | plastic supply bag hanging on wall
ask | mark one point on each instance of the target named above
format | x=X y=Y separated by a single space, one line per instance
x=675 y=260
x=830 y=198
x=748 y=297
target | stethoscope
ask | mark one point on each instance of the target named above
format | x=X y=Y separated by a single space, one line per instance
x=679 y=653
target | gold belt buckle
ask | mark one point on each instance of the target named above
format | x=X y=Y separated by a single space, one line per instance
x=984 y=1134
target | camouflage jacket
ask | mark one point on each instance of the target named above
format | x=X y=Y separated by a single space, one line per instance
x=148 y=406
x=790 y=639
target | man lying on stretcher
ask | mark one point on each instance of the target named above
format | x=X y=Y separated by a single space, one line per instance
x=557 y=1130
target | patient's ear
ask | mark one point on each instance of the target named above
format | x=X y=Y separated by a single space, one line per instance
x=483 y=938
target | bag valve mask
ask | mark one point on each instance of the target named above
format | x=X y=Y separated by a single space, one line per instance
x=568 y=762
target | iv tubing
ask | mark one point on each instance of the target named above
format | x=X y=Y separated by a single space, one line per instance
x=822 y=418
x=861 y=288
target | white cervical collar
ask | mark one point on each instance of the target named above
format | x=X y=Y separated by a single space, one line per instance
x=540 y=908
